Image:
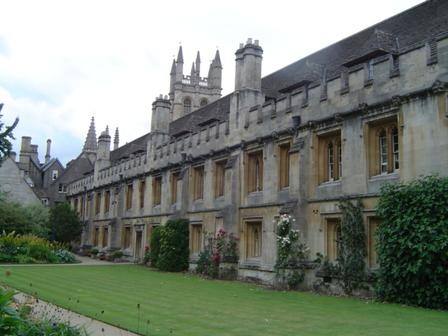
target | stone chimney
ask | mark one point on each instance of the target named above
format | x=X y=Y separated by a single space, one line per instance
x=248 y=66
x=103 y=152
x=48 y=155
x=35 y=153
x=160 y=119
x=25 y=150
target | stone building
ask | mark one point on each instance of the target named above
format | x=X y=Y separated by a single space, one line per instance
x=339 y=123
x=28 y=179
x=15 y=185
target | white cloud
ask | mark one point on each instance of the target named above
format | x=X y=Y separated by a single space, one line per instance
x=63 y=61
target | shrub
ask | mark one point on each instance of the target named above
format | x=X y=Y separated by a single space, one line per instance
x=174 y=251
x=65 y=256
x=31 y=249
x=205 y=265
x=412 y=243
x=217 y=249
x=155 y=245
x=94 y=251
x=23 y=219
x=116 y=254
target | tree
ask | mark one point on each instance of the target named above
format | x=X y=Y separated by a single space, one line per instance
x=65 y=225
x=5 y=137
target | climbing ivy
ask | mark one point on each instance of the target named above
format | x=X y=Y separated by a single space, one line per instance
x=413 y=243
x=352 y=248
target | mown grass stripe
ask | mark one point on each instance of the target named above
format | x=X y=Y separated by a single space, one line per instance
x=192 y=306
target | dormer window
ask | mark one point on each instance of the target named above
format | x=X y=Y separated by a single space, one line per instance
x=54 y=175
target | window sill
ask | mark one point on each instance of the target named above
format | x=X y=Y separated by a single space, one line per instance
x=382 y=177
x=255 y=193
x=330 y=183
x=194 y=258
x=252 y=263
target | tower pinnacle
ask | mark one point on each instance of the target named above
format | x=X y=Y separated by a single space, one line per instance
x=217 y=60
x=90 y=145
x=180 y=56
x=116 y=139
x=198 y=64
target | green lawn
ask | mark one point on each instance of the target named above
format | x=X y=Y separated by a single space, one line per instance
x=181 y=304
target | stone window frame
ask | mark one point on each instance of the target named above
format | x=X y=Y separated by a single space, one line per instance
x=83 y=207
x=332 y=224
x=129 y=195
x=330 y=165
x=284 y=163
x=219 y=177
x=254 y=172
x=126 y=237
x=76 y=205
x=105 y=238
x=196 y=238
x=383 y=160
x=157 y=190
x=95 y=235
x=253 y=238
x=97 y=202
x=107 y=201
x=197 y=179
x=141 y=195
x=174 y=179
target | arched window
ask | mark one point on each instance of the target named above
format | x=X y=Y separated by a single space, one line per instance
x=187 y=105
x=204 y=102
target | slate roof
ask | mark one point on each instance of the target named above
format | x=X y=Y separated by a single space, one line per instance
x=194 y=121
x=76 y=169
x=399 y=33
x=136 y=146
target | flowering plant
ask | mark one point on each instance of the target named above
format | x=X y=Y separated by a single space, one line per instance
x=218 y=248
x=291 y=251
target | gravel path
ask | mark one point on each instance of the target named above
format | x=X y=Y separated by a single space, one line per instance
x=41 y=309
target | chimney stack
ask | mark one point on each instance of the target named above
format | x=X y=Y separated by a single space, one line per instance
x=47 y=155
x=248 y=66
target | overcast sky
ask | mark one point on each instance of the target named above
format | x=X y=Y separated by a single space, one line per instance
x=62 y=62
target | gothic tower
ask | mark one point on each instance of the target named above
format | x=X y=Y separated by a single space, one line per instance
x=187 y=93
